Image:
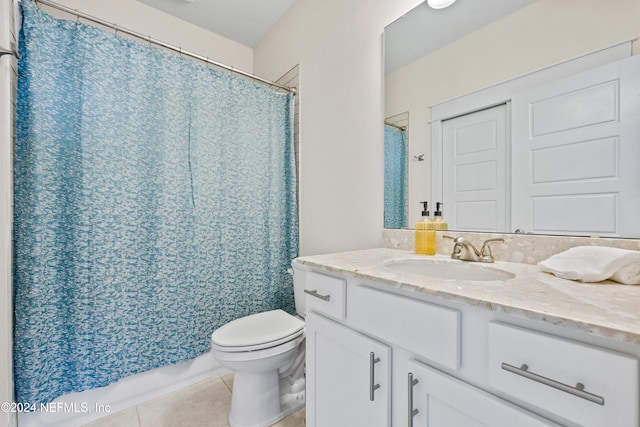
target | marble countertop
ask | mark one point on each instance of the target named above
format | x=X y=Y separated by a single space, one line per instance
x=606 y=309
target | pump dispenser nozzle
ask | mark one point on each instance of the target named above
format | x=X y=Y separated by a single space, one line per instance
x=425 y=209
x=438 y=212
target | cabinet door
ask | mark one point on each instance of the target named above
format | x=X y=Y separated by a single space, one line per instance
x=439 y=400
x=348 y=377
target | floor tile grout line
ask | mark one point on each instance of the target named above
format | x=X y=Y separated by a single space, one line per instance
x=138 y=415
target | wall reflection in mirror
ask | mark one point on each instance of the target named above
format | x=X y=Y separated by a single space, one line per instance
x=441 y=65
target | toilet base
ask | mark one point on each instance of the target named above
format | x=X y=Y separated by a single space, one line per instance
x=269 y=401
x=260 y=399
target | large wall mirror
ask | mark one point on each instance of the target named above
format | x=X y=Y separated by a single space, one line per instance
x=434 y=57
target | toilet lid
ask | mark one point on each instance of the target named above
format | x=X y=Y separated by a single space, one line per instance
x=256 y=329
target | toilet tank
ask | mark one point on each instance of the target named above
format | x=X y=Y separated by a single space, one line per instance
x=299 y=285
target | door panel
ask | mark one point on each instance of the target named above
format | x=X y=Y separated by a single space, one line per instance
x=475 y=173
x=575 y=151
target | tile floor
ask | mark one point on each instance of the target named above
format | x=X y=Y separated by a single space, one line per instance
x=205 y=404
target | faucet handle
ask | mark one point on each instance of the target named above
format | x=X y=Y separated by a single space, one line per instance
x=457 y=240
x=485 y=252
x=457 y=247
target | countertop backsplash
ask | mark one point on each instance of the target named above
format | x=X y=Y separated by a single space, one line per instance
x=522 y=248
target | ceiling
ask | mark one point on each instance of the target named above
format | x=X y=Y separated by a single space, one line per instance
x=248 y=21
x=244 y=21
x=424 y=30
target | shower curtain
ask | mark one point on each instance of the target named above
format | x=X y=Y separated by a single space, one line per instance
x=154 y=202
x=395 y=177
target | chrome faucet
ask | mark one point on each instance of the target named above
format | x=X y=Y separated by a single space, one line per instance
x=464 y=250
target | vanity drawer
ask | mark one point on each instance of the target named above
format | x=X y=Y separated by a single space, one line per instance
x=427 y=330
x=326 y=294
x=584 y=384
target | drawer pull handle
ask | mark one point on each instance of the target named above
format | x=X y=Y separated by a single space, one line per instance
x=578 y=390
x=372 y=375
x=317 y=295
x=412 y=412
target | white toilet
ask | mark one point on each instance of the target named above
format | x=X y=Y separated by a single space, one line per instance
x=266 y=351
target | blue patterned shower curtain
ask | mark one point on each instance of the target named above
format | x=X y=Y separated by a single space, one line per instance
x=154 y=202
x=395 y=178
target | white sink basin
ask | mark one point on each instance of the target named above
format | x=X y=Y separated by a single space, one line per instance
x=451 y=270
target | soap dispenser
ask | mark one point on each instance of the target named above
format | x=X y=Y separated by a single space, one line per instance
x=438 y=222
x=425 y=234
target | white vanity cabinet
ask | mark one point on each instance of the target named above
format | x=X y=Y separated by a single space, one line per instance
x=381 y=355
x=348 y=373
x=439 y=400
x=348 y=376
x=419 y=329
x=587 y=385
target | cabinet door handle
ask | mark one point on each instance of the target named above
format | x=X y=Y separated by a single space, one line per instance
x=578 y=390
x=317 y=295
x=372 y=375
x=412 y=412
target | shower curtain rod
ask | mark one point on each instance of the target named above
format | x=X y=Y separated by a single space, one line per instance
x=149 y=39
x=403 y=128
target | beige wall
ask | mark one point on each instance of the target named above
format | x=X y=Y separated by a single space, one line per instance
x=541 y=34
x=338 y=44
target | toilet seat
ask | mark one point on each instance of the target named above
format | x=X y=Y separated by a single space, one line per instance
x=257 y=332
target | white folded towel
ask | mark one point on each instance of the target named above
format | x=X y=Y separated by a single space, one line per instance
x=629 y=274
x=594 y=264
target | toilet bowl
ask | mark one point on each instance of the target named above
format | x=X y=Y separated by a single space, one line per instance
x=266 y=352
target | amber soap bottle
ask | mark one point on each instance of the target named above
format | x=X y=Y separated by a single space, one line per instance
x=438 y=222
x=425 y=234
